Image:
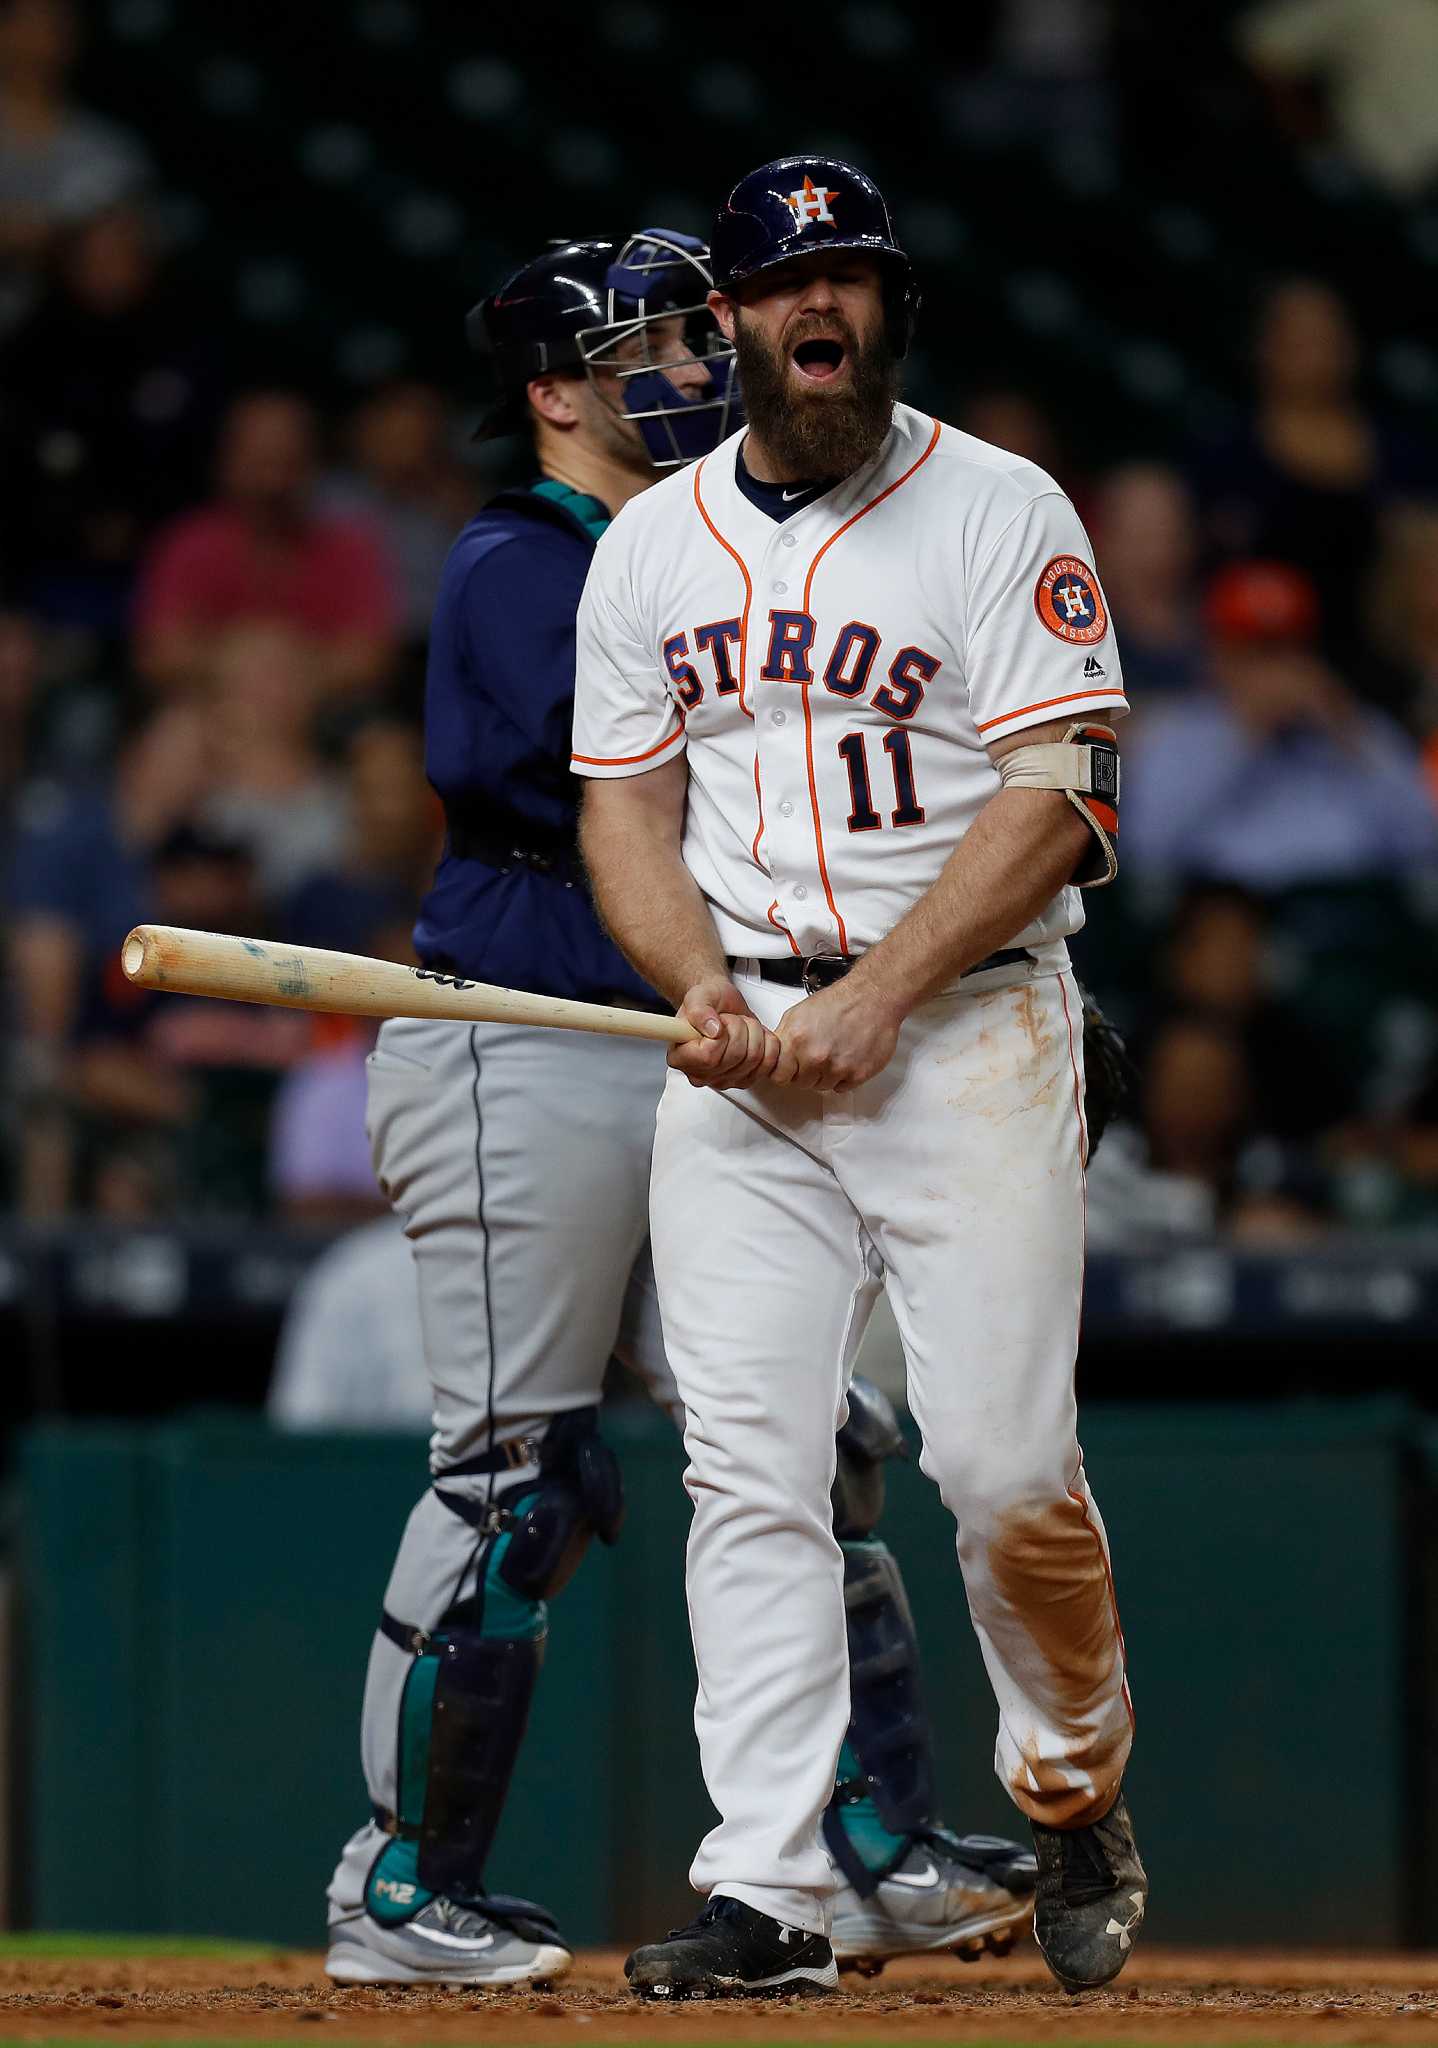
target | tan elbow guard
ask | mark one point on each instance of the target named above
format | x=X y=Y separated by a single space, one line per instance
x=1084 y=765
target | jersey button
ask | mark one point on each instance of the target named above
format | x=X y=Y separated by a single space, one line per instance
x=778 y=718
x=791 y=540
x=786 y=809
x=780 y=588
x=800 y=891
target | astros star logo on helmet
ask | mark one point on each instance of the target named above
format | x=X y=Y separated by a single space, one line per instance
x=810 y=204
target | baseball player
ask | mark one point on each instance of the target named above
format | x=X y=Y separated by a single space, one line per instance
x=844 y=691
x=518 y=1161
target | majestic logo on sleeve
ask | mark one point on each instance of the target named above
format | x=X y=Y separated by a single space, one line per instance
x=810 y=205
x=1067 y=600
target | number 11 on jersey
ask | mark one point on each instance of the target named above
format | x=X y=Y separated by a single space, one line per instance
x=854 y=753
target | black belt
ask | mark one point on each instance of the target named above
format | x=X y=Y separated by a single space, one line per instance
x=509 y=850
x=822 y=970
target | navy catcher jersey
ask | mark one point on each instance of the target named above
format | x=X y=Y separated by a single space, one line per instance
x=508 y=903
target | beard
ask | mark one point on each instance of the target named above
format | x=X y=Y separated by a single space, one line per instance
x=817 y=434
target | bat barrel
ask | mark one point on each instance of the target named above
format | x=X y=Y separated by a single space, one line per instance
x=308 y=978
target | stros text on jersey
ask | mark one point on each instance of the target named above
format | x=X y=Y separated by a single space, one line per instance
x=838 y=676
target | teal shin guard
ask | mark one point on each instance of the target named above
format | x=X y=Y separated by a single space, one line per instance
x=393 y=1891
x=463 y=1715
x=885 y=1790
x=878 y=1848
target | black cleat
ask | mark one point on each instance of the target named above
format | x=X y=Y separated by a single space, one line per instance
x=731 y=1951
x=1091 y=1897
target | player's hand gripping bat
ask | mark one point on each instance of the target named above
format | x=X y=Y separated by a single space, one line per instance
x=189 y=963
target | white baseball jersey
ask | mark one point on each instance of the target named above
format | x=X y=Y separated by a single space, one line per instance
x=837 y=677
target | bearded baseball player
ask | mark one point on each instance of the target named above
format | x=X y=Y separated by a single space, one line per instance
x=519 y=1161
x=844 y=696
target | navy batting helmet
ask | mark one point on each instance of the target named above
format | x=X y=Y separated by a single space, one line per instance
x=799 y=205
x=594 y=307
x=531 y=325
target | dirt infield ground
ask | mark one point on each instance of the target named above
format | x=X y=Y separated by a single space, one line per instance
x=1165 y=1996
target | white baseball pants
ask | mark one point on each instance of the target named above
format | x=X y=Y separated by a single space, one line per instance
x=957 y=1175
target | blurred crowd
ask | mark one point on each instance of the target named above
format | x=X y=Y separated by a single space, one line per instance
x=213 y=606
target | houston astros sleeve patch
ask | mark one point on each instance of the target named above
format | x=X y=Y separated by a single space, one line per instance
x=1068 y=601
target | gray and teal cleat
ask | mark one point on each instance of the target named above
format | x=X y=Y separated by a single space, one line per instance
x=973 y=1894
x=493 y=1941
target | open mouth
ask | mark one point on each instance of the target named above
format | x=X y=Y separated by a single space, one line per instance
x=819 y=360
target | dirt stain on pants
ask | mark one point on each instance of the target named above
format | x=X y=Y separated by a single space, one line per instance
x=1049 y=1565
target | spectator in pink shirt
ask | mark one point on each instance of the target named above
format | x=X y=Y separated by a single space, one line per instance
x=264 y=552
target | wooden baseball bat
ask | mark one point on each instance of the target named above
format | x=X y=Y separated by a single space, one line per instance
x=165 y=956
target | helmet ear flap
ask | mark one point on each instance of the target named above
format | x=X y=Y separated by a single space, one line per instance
x=914 y=305
x=903 y=303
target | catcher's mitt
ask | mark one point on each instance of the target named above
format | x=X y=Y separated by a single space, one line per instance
x=1110 y=1078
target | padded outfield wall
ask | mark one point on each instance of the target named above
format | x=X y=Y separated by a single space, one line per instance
x=198 y=1602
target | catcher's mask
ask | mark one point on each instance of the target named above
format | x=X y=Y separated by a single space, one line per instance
x=657 y=322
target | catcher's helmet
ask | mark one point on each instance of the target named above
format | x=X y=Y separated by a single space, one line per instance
x=798 y=205
x=590 y=307
x=531 y=325
x=662 y=278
